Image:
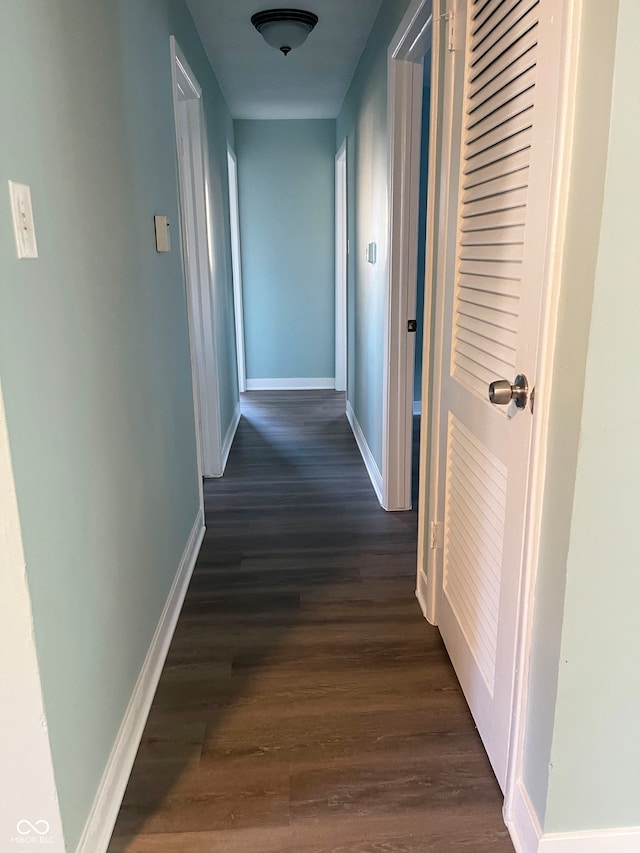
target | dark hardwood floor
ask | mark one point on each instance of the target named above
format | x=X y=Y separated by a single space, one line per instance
x=305 y=705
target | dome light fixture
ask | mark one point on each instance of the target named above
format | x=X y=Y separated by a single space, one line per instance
x=284 y=29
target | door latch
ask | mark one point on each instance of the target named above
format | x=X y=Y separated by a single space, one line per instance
x=412 y=325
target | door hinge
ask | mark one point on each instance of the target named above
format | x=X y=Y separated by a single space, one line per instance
x=436 y=535
x=454 y=29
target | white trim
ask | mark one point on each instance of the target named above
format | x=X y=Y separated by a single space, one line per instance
x=434 y=252
x=228 y=439
x=104 y=811
x=421 y=592
x=175 y=53
x=618 y=840
x=417 y=407
x=365 y=451
x=522 y=821
x=341 y=267
x=404 y=86
x=563 y=144
x=189 y=114
x=236 y=263
x=527 y=837
x=29 y=792
x=297 y=383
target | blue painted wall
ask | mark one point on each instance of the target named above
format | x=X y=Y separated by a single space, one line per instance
x=286 y=197
x=582 y=751
x=363 y=120
x=94 y=351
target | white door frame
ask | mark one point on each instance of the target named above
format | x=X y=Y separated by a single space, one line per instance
x=410 y=44
x=341 y=268
x=236 y=261
x=517 y=808
x=198 y=264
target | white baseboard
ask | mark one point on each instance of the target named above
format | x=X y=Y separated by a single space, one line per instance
x=417 y=407
x=370 y=463
x=296 y=383
x=527 y=836
x=618 y=840
x=421 y=592
x=522 y=821
x=228 y=439
x=99 y=826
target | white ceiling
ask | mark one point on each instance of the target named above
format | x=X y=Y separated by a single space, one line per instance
x=259 y=82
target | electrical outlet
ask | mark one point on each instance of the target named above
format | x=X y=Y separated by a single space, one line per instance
x=23 y=225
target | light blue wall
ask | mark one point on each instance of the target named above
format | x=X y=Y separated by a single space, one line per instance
x=363 y=120
x=286 y=198
x=594 y=781
x=94 y=354
x=582 y=752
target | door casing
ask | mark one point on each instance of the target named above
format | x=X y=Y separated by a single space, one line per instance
x=194 y=192
x=406 y=55
x=236 y=263
x=341 y=373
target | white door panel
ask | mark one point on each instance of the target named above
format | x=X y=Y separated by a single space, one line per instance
x=503 y=116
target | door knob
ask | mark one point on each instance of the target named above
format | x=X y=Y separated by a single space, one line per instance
x=501 y=392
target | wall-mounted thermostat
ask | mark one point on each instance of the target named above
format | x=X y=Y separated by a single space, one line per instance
x=372 y=251
x=163 y=241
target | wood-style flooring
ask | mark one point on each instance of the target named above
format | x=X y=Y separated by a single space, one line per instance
x=305 y=705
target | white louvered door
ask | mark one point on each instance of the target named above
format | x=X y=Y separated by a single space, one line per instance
x=503 y=117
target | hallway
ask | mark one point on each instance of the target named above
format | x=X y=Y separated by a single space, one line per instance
x=305 y=704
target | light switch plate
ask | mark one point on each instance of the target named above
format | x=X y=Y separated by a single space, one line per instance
x=23 y=225
x=163 y=241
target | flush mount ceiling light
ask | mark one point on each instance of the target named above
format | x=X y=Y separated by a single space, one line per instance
x=284 y=29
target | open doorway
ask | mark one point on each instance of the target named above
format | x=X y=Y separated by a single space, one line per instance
x=234 y=223
x=194 y=182
x=341 y=267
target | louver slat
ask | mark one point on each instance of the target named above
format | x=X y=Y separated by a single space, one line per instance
x=517 y=162
x=486 y=15
x=486 y=103
x=475 y=506
x=501 y=61
x=508 y=67
x=510 y=38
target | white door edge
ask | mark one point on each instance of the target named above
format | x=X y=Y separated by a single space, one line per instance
x=236 y=261
x=341 y=268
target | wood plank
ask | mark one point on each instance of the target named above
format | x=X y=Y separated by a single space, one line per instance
x=305 y=705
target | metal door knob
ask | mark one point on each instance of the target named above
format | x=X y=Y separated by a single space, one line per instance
x=501 y=392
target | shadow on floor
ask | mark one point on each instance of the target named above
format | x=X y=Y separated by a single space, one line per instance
x=304 y=700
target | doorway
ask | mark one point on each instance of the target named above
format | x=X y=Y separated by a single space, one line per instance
x=193 y=179
x=236 y=262
x=342 y=251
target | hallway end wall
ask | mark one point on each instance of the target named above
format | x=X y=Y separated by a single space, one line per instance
x=286 y=199
x=94 y=351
